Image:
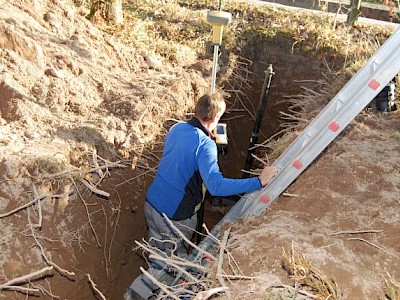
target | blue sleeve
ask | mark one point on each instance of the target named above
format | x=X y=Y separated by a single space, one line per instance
x=212 y=177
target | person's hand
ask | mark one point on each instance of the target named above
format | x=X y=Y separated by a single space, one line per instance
x=267 y=174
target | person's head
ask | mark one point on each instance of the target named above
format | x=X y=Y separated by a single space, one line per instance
x=209 y=109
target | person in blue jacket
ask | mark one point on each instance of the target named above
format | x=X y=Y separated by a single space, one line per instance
x=189 y=162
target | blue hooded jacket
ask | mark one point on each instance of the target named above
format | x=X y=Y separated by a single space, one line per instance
x=190 y=158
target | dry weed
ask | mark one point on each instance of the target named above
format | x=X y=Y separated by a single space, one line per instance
x=163 y=28
x=309 y=277
x=302 y=109
x=392 y=289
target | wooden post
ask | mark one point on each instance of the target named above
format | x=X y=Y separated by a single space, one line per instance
x=355 y=11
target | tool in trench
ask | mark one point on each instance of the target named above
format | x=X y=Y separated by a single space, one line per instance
x=218 y=19
x=257 y=124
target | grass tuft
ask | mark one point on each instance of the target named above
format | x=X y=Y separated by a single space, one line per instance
x=308 y=277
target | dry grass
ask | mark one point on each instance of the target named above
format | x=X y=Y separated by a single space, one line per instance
x=392 y=289
x=163 y=28
x=302 y=109
x=178 y=31
x=309 y=277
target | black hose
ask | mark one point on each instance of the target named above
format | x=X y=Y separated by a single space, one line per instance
x=257 y=124
x=200 y=220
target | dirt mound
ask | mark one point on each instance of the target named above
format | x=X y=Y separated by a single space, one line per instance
x=72 y=99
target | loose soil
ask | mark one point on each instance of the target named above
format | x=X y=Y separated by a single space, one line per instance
x=79 y=106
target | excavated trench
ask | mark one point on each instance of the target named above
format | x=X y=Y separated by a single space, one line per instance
x=114 y=262
x=119 y=256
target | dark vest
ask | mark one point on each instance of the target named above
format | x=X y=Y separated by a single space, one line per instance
x=194 y=189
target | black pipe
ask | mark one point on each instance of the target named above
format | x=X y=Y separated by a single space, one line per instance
x=261 y=110
x=200 y=220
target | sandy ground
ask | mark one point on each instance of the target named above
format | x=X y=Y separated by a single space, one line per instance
x=344 y=218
